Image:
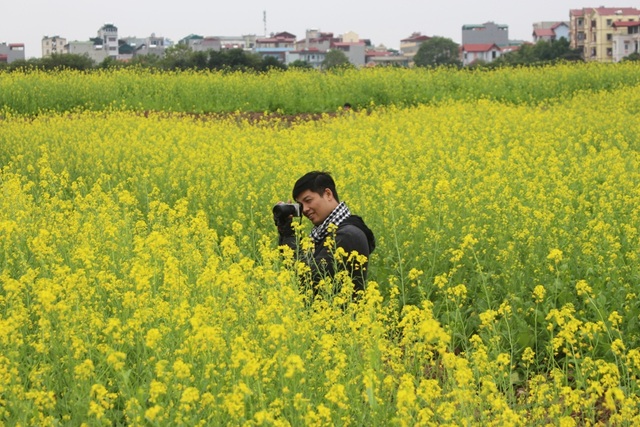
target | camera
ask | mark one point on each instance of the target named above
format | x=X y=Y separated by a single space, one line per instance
x=282 y=211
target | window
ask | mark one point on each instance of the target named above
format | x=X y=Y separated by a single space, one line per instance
x=609 y=37
x=580 y=22
x=593 y=23
x=609 y=51
x=593 y=52
x=609 y=22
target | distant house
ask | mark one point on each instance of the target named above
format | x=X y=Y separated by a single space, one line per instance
x=475 y=52
x=11 y=52
x=314 y=47
x=277 y=45
x=626 y=39
x=355 y=51
x=409 y=46
x=94 y=49
x=52 y=45
x=312 y=56
x=550 y=31
x=489 y=32
x=384 y=57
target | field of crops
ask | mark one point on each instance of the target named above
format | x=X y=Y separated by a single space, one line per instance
x=141 y=284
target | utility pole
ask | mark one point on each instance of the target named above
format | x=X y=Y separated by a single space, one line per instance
x=264 y=19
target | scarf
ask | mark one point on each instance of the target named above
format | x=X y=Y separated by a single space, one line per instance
x=339 y=214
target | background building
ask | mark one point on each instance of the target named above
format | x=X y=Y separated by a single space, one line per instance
x=626 y=39
x=11 y=52
x=594 y=30
x=108 y=33
x=53 y=45
x=409 y=46
x=550 y=31
x=488 y=32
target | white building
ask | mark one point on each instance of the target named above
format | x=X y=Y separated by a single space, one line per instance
x=484 y=52
x=626 y=39
x=108 y=33
x=53 y=45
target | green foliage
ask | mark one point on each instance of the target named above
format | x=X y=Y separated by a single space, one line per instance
x=543 y=52
x=436 y=52
x=635 y=56
x=335 y=59
x=57 y=61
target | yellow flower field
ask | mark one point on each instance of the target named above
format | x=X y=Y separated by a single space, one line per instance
x=141 y=284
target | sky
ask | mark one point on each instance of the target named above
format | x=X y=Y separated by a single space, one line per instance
x=382 y=22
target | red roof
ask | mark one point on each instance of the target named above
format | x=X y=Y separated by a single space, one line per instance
x=576 y=12
x=416 y=38
x=4 y=58
x=613 y=10
x=557 y=24
x=276 y=40
x=626 y=24
x=377 y=53
x=544 y=32
x=16 y=44
x=480 y=47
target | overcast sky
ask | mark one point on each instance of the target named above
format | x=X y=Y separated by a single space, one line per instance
x=382 y=22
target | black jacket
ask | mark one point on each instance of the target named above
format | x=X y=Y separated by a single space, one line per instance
x=351 y=235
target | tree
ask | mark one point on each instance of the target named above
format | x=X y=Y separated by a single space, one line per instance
x=543 y=52
x=272 y=63
x=635 y=56
x=438 y=51
x=335 y=59
x=177 y=57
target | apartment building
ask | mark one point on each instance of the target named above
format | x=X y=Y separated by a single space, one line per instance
x=108 y=33
x=53 y=45
x=10 y=52
x=592 y=30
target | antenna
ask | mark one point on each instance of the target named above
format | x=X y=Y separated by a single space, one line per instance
x=264 y=19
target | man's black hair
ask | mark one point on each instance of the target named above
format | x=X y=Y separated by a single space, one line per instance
x=317 y=182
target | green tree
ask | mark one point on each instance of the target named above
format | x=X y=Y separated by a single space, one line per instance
x=635 y=56
x=272 y=63
x=438 y=51
x=177 y=57
x=335 y=59
x=542 y=52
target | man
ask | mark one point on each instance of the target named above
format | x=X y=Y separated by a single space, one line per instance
x=349 y=239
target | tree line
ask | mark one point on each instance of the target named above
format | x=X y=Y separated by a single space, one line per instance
x=440 y=51
x=179 y=57
x=435 y=52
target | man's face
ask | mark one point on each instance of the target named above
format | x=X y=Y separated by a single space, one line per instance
x=317 y=207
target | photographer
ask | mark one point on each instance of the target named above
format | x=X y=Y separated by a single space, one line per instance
x=317 y=199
